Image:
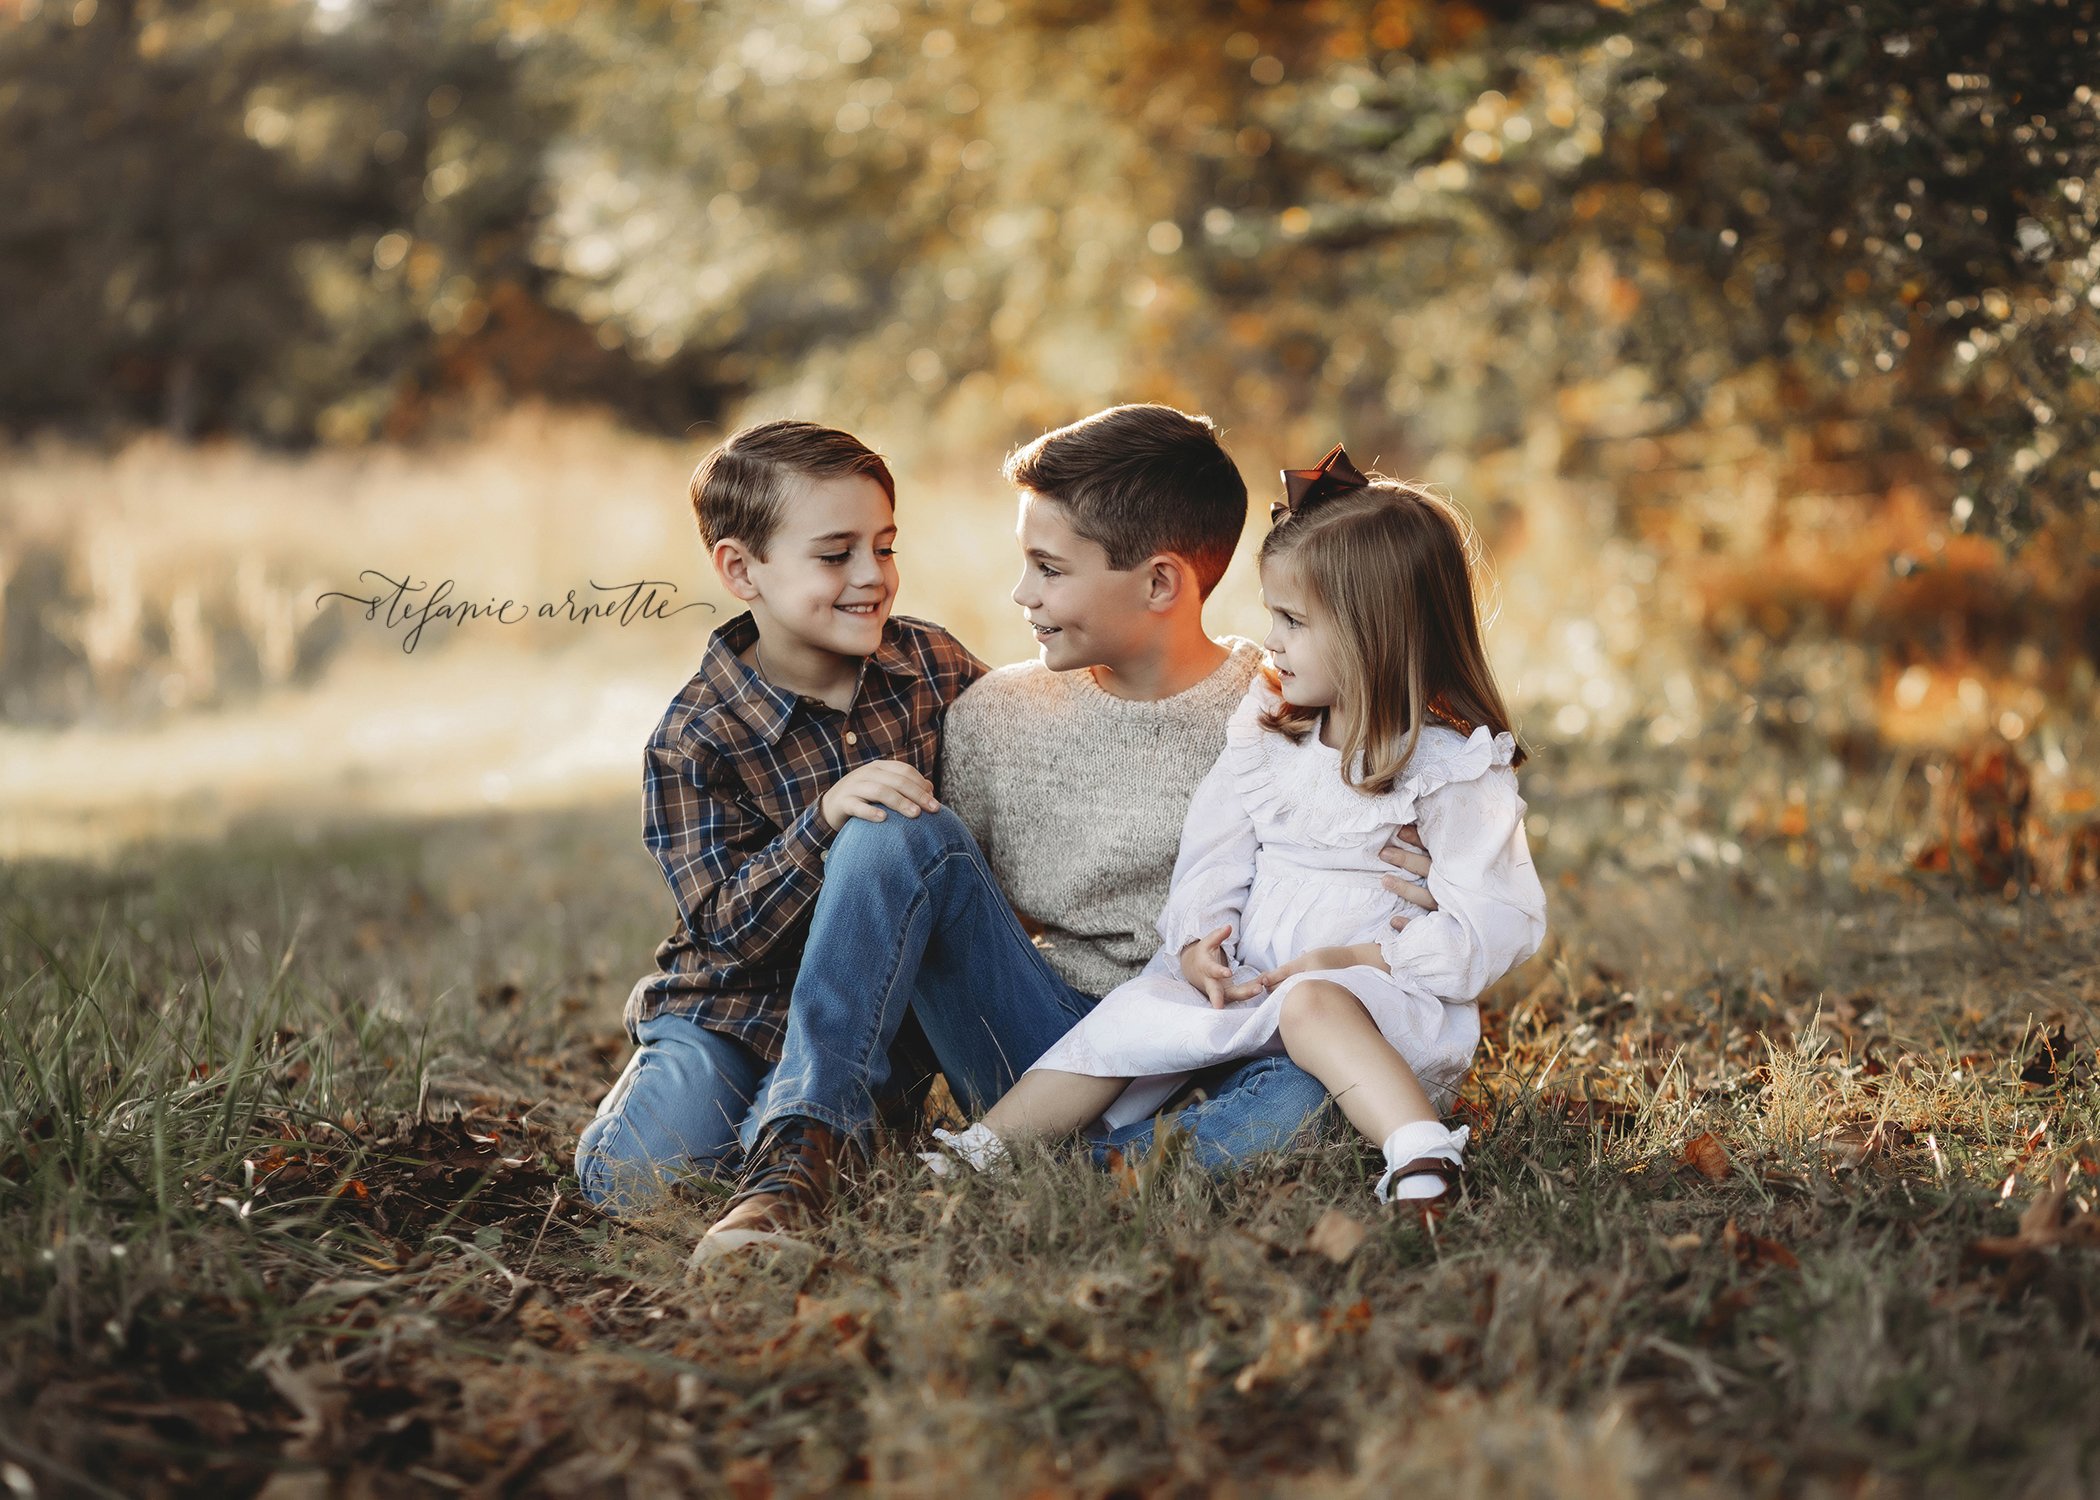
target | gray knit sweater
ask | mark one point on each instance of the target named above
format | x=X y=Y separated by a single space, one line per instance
x=1077 y=798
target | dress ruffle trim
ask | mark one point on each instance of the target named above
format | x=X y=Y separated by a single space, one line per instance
x=1271 y=774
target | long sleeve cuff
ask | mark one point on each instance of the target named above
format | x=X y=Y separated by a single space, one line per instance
x=1423 y=951
x=1201 y=914
x=806 y=841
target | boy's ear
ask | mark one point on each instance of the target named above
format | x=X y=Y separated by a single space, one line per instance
x=1168 y=580
x=732 y=560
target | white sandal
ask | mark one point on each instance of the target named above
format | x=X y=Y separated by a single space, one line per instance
x=978 y=1146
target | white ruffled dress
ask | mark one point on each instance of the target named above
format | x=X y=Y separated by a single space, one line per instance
x=1281 y=849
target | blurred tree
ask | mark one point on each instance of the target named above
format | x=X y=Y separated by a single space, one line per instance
x=886 y=210
x=1860 y=232
x=1864 y=227
x=285 y=220
x=1890 y=204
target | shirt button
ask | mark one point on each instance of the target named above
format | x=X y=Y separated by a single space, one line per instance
x=852 y=738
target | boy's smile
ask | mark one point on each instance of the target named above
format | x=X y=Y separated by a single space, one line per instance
x=1083 y=612
x=823 y=591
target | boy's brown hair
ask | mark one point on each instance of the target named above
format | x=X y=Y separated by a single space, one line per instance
x=737 y=489
x=1139 y=480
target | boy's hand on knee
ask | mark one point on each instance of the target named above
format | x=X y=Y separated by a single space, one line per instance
x=1203 y=965
x=1314 y=959
x=1404 y=850
x=865 y=791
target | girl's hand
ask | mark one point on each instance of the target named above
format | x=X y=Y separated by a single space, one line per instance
x=1405 y=850
x=1203 y=965
x=1326 y=958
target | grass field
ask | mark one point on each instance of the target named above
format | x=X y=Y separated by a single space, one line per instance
x=1761 y=1202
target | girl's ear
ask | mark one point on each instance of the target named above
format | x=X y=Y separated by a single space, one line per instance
x=732 y=562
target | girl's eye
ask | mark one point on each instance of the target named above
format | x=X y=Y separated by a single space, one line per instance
x=1047 y=572
x=885 y=551
x=834 y=558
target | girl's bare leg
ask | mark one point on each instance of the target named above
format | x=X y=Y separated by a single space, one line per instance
x=1328 y=1033
x=1044 y=1102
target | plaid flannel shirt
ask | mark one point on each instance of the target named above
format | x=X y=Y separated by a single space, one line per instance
x=731 y=780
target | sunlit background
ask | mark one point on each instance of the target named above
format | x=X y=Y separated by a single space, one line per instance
x=1758 y=339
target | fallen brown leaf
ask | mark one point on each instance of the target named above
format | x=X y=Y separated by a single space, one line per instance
x=1123 y=1173
x=1354 y=1318
x=1754 y=1250
x=1707 y=1156
x=566 y=1329
x=1849 y=1145
x=749 y=1478
x=1602 y=1112
x=1336 y=1236
x=2044 y=1225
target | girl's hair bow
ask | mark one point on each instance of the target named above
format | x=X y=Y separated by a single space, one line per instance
x=1304 y=488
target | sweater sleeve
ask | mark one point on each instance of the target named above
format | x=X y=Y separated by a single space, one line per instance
x=967 y=759
x=1491 y=909
x=1215 y=868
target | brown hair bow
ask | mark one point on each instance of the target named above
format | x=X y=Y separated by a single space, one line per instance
x=1335 y=475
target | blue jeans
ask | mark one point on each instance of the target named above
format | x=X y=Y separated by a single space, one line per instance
x=689 y=1100
x=911 y=919
x=682 y=1103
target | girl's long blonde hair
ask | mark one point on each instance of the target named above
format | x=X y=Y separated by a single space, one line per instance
x=1391 y=564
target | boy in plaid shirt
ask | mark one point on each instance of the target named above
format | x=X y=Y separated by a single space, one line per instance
x=814 y=707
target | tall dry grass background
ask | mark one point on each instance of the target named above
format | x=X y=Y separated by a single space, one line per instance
x=170 y=648
x=168 y=660
x=171 y=662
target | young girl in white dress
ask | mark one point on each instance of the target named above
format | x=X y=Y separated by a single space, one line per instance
x=1378 y=710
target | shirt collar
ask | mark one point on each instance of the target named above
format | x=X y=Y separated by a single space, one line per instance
x=766 y=708
x=891 y=657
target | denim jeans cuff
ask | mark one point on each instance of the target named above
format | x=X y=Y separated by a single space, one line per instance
x=860 y=1132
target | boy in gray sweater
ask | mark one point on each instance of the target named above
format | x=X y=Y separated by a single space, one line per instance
x=1065 y=781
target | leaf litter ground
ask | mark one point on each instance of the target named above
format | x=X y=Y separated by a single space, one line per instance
x=1784 y=1184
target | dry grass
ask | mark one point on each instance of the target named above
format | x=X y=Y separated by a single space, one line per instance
x=1745 y=1134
